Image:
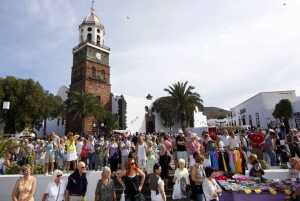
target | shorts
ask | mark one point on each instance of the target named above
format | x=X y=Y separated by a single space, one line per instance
x=57 y=156
x=142 y=163
x=49 y=158
x=175 y=155
x=182 y=155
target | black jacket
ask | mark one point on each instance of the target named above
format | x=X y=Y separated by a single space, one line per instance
x=77 y=184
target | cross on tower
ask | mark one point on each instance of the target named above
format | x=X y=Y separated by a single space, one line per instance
x=92 y=3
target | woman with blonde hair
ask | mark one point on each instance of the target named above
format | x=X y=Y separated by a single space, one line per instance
x=198 y=176
x=71 y=150
x=131 y=185
x=141 y=153
x=25 y=185
x=250 y=160
x=150 y=153
x=55 y=190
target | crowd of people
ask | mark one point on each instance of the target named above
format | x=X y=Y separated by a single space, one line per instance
x=138 y=155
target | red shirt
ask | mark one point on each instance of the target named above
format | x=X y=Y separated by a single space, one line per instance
x=257 y=138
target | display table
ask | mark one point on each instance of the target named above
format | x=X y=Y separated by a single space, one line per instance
x=238 y=196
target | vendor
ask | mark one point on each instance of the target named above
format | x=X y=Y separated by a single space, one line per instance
x=295 y=164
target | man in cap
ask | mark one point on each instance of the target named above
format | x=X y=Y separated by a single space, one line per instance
x=181 y=147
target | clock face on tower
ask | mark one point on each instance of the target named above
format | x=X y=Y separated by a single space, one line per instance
x=98 y=55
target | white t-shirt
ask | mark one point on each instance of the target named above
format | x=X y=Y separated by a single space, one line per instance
x=157 y=197
x=233 y=142
x=79 y=147
x=224 y=139
x=182 y=173
x=52 y=191
x=125 y=152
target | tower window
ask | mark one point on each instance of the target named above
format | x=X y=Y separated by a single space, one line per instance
x=90 y=29
x=98 y=30
x=93 y=72
x=81 y=38
x=89 y=36
x=81 y=30
x=102 y=75
x=98 y=40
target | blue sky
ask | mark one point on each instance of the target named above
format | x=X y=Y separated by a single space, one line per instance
x=228 y=50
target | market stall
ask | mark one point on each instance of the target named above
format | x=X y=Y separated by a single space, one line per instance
x=246 y=190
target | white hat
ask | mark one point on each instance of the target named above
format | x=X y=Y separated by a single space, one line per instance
x=180 y=131
x=194 y=135
x=198 y=138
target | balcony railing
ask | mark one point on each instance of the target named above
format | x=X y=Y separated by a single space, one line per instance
x=99 y=78
x=92 y=22
x=91 y=42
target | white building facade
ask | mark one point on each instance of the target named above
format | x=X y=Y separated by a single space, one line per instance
x=257 y=111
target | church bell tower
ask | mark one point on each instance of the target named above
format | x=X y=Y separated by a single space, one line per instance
x=90 y=70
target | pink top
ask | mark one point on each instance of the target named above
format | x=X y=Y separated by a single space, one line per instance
x=90 y=145
x=194 y=145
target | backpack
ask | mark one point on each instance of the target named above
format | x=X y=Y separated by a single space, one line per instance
x=211 y=145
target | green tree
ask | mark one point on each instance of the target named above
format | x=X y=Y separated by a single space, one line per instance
x=220 y=116
x=184 y=101
x=110 y=122
x=53 y=107
x=166 y=111
x=25 y=97
x=83 y=105
x=283 y=110
x=4 y=145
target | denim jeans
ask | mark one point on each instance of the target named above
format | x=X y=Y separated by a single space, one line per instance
x=105 y=161
x=272 y=157
x=91 y=161
x=199 y=197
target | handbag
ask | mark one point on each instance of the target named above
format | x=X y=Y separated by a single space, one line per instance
x=140 y=195
x=198 y=189
x=115 y=156
x=122 y=196
x=177 y=193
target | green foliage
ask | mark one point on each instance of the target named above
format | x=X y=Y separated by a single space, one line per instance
x=4 y=145
x=264 y=164
x=283 y=110
x=40 y=169
x=13 y=169
x=220 y=116
x=110 y=121
x=83 y=105
x=284 y=166
x=166 y=111
x=28 y=103
x=183 y=101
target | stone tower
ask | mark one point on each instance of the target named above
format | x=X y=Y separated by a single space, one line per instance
x=90 y=71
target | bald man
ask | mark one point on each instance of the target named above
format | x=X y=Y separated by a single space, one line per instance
x=77 y=184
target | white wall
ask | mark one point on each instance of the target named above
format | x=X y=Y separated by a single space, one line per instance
x=7 y=183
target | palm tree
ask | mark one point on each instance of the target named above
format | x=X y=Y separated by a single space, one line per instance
x=184 y=101
x=110 y=122
x=83 y=105
x=4 y=145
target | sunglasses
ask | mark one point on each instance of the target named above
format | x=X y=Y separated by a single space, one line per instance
x=59 y=175
x=83 y=167
x=132 y=163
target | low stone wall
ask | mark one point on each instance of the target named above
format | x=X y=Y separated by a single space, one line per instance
x=7 y=183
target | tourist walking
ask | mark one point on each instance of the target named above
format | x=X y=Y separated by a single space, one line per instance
x=113 y=155
x=105 y=189
x=156 y=185
x=150 y=153
x=125 y=146
x=181 y=146
x=84 y=152
x=51 y=147
x=55 y=190
x=141 y=154
x=293 y=142
x=164 y=162
x=194 y=147
x=181 y=176
x=71 y=150
x=257 y=140
x=25 y=186
x=90 y=146
x=131 y=184
x=198 y=176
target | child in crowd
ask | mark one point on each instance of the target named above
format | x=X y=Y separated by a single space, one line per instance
x=285 y=154
x=256 y=171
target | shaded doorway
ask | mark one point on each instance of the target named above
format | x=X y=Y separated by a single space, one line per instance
x=150 y=128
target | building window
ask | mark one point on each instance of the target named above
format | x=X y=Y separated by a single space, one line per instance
x=250 y=120
x=269 y=123
x=89 y=36
x=90 y=29
x=102 y=75
x=239 y=121
x=81 y=38
x=93 y=72
x=257 y=120
x=98 y=40
x=98 y=30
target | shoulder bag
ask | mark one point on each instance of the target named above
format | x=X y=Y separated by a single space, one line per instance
x=140 y=195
